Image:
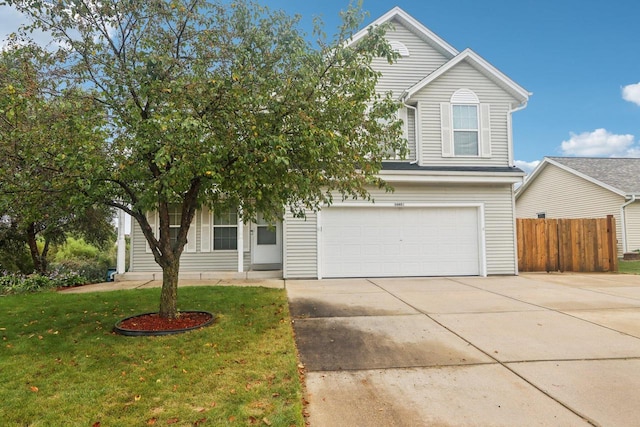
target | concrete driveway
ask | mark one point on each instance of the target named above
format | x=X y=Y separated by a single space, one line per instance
x=539 y=349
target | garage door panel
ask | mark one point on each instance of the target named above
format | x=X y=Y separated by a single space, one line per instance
x=381 y=241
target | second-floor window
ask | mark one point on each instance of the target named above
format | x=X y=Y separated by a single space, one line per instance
x=465 y=126
x=465 y=130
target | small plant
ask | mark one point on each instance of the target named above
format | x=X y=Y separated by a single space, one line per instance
x=12 y=283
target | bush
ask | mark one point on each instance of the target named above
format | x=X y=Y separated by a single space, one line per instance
x=11 y=283
x=93 y=271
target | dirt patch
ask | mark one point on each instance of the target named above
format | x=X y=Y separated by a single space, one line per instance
x=338 y=344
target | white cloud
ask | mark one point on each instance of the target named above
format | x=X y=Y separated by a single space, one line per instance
x=600 y=143
x=10 y=22
x=527 y=167
x=631 y=93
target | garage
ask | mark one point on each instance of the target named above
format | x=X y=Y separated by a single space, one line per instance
x=393 y=241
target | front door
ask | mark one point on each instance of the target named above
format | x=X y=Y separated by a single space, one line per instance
x=266 y=243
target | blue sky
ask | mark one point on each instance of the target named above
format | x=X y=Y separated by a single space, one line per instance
x=581 y=60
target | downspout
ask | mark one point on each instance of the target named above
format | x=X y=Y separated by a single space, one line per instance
x=522 y=106
x=403 y=99
x=623 y=223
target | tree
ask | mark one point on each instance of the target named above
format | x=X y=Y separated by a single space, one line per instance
x=226 y=105
x=40 y=125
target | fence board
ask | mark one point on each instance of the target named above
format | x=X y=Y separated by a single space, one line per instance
x=584 y=245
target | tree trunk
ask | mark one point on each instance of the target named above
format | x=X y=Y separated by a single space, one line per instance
x=169 y=293
x=38 y=265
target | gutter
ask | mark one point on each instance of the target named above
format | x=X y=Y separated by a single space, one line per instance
x=623 y=223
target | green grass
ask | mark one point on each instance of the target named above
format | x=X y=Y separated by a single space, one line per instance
x=61 y=364
x=629 y=267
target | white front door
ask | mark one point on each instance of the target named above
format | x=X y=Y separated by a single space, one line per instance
x=266 y=242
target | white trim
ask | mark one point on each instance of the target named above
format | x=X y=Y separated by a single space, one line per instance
x=319 y=243
x=515 y=232
x=284 y=246
x=240 y=241
x=483 y=66
x=454 y=177
x=483 y=241
x=399 y=47
x=406 y=19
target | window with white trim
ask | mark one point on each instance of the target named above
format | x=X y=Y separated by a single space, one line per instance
x=225 y=230
x=175 y=218
x=465 y=129
x=465 y=125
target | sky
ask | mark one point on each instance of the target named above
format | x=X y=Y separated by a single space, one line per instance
x=579 y=58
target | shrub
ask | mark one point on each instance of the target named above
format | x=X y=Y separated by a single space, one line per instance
x=11 y=283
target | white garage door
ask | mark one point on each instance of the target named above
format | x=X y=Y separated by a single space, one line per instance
x=407 y=241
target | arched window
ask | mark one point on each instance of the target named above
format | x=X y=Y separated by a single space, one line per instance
x=399 y=47
x=465 y=126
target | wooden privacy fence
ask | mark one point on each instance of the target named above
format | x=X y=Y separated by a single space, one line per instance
x=585 y=244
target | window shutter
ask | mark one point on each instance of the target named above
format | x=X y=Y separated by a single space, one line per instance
x=191 y=236
x=205 y=230
x=485 y=130
x=402 y=115
x=151 y=218
x=445 y=125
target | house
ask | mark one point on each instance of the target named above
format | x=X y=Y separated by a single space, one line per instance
x=580 y=187
x=452 y=211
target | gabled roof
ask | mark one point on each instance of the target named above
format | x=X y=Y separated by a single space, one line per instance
x=479 y=64
x=619 y=175
x=412 y=25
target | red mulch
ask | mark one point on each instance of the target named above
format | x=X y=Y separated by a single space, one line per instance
x=153 y=322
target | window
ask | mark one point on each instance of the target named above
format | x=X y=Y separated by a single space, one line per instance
x=266 y=232
x=465 y=130
x=175 y=217
x=466 y=126
x=225 y=230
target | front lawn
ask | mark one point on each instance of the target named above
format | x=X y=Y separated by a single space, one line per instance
x=60 y=363
x=629 y=267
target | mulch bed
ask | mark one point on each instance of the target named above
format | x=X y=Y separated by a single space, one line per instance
x=153 y=323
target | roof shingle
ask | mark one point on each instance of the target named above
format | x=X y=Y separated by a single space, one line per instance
x=620 y=173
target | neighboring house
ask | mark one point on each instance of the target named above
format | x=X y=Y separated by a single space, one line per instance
x=452 y=211
x=579 y=187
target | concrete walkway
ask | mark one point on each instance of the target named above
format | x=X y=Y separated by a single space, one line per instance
x=539 y=350
x=143 y=284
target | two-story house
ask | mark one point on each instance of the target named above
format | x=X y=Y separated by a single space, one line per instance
x=452 y=211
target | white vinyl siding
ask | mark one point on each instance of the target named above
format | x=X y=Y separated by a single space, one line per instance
x=495 y=105
x=632 y=223
x=200 y=260
x=174 y=226
x=499 y=223
x=408 y=70
x=300 y=250
x=561 y=194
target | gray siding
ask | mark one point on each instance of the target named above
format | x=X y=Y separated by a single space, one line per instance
x=499 y=223
x=142 y=261
x=408 y=70
x=561 y=194
x=463 y=76
x=300 y=252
